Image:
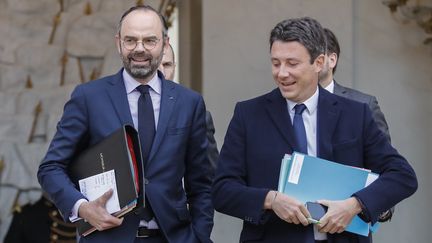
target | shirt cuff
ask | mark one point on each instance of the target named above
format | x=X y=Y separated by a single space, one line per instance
x=74 y=214
x=363 y=214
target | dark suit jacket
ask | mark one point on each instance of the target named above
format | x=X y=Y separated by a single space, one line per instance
x=98 y=108
x=377 y=114
x=212 y=150
x=259 y=135
x=370 y=100
x=39 y=223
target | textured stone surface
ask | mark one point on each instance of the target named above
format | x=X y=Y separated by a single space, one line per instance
x=112 y=62
x=16 y=128
x=42 y=62
x=12 y=78
x=7 y=103
x=89 y=36
x=20 y=163
x=32 y=6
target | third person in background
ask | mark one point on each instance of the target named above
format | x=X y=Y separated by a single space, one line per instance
x=326 y=80
x=168 y=68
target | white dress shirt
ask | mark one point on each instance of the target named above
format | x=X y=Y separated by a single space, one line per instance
x=133 y=95
x=330 y=87
x=310 y=122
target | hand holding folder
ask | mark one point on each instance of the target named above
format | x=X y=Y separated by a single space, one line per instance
x=309 y=179
x=96 y=213
x=120 y=152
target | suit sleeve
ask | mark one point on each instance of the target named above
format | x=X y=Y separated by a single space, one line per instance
x=199 y=176
x=212 y=151
x=397 y=179
x=70 y=135
x=379 y=117
x=231 y=194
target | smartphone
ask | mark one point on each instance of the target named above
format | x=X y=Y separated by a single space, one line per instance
x=316 y=211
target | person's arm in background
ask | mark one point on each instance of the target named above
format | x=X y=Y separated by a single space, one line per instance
x=379 y=118
x=199 y=175
x=212 y=150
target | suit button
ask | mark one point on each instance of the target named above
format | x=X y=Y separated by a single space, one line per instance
x=146 y=181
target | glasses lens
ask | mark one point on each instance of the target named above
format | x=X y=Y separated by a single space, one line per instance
x=151 y=43
x=130 y=44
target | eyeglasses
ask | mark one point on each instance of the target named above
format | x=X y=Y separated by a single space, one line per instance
x=130 y=43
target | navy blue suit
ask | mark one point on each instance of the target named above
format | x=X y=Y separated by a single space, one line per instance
x=98 y=108
x=260 y=133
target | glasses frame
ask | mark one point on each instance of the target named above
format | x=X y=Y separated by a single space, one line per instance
x=148 y=43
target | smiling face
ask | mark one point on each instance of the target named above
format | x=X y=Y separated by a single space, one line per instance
x=141 y=26
x=292 y=71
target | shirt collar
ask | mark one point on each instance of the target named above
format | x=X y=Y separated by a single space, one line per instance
x=311 y=103
x=131 y=83
x=330 y=87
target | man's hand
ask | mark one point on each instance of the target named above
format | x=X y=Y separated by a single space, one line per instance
x=339 y=215
x=287 y=208
x=96 y=214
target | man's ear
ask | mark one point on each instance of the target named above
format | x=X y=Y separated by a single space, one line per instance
x=319 y=63
x=332 y=59
x=166 y=41
x=117 y=42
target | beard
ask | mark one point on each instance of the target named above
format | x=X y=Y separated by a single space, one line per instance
x=141 y=71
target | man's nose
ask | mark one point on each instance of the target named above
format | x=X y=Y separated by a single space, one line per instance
x=284 y=71
x=140 y=46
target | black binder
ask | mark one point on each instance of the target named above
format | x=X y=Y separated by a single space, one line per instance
x=119 y=151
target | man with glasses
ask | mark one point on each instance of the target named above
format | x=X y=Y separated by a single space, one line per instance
x=171 y=122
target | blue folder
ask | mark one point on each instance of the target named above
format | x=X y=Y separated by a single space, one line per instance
x=309 y=179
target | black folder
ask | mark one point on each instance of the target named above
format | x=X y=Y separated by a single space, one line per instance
x=120 y=151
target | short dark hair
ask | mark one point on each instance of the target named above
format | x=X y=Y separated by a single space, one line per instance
x=332 y=45
x=307 y=31
x=145 y=8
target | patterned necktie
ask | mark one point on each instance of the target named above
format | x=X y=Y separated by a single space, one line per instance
x=146 y=131
x=299 y=128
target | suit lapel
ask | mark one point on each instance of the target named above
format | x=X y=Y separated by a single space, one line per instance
x=277 y=109
x=168 y=99
x=117 y=93
x=327 y=117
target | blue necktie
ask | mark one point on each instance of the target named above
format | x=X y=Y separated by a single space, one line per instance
x=146 y=131
x=299 y=128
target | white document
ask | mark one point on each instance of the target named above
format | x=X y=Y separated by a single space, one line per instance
x=297 y=164
x=95 y=186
